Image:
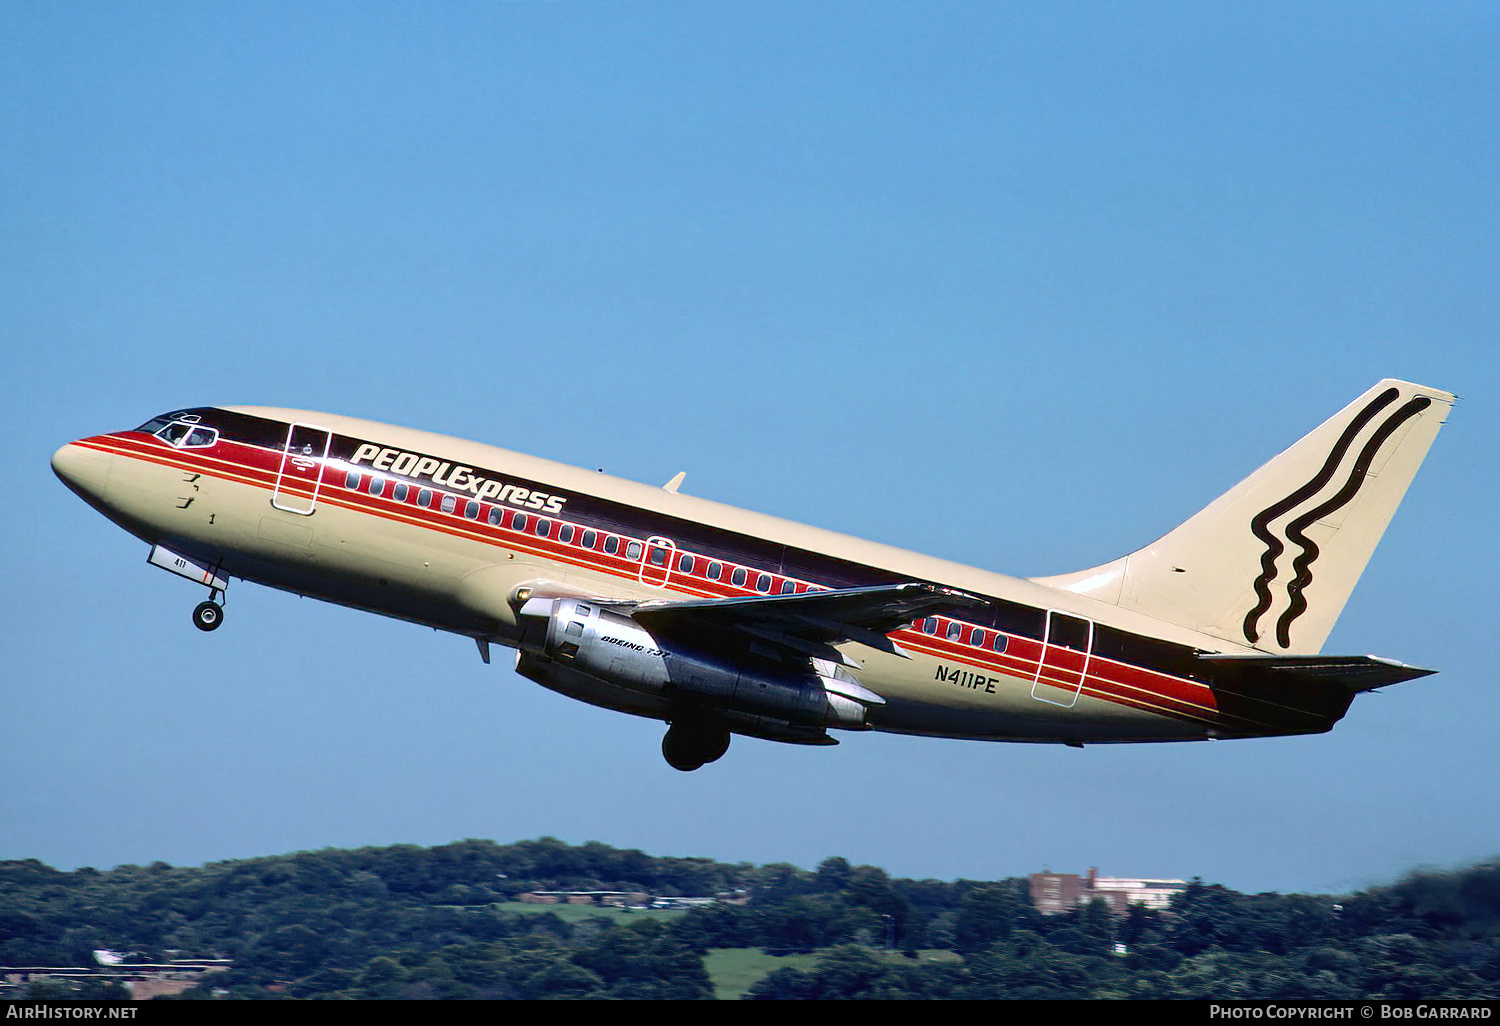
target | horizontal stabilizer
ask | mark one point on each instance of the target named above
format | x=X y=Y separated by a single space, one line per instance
x=1356 y=673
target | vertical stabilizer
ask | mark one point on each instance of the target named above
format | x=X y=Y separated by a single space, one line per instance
x=1270 y=563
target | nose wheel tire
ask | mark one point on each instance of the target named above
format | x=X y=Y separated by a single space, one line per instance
x=208 y=615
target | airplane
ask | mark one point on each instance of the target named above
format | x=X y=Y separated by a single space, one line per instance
x=718 y=621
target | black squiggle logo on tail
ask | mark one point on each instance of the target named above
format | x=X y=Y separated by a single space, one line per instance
x=1302 y=565
x=1259 y=524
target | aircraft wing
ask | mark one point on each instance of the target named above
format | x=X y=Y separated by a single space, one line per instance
x=807 y=624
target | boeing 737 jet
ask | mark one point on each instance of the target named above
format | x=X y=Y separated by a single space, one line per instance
x=719 y=621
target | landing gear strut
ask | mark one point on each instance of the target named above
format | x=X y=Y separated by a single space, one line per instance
x=690 y=745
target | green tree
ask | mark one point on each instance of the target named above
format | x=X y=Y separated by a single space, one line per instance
x=646 y=960
x=1025 y=966
x=986 y=915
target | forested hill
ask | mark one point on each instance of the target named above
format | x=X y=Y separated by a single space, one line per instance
x=446 y=922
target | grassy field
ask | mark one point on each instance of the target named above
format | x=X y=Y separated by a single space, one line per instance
x=735 y=970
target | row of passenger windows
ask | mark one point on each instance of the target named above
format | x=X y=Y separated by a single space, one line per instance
x=588 y=538
x=979 y=637
x=686 y=563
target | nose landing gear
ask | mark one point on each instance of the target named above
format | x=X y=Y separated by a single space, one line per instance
x=208 y=615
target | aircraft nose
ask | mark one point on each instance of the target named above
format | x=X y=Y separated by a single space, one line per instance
x=83 y=470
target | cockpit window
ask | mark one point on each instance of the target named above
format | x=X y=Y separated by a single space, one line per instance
x=245 y=428
x=174 y=433
x=155 y=424
x=182 y=435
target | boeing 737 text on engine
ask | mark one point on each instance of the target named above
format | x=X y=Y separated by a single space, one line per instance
x=719 y=621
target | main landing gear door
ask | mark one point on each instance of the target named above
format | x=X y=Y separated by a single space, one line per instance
x=301 y=473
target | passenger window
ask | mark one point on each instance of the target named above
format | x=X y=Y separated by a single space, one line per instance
x=589 y=537
x=424 y=498
x=543 y=527
x=1000 y=643
x=658 y=556
x=399 y=492
x=496 y=515
x=450 y=503
x=471 y=509
x=685 y=564
x=787 y=587
x=763 y=583
x=518 y=522
x=738 y=577
x=377 y=485
x=929 y=625
x=565 y=533
x=955 y=631
x=611 y=544
x=714 y=570
x=633 y=550
x=351 y=481
x=977 y=640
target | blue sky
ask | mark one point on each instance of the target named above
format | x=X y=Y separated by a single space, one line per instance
x=1022 y=286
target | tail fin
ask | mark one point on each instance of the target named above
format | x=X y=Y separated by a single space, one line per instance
x=1271 y=562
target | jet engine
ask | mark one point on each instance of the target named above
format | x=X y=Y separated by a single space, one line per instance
x=567 y=643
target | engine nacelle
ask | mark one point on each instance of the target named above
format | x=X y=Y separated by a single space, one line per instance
x=589 y=639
